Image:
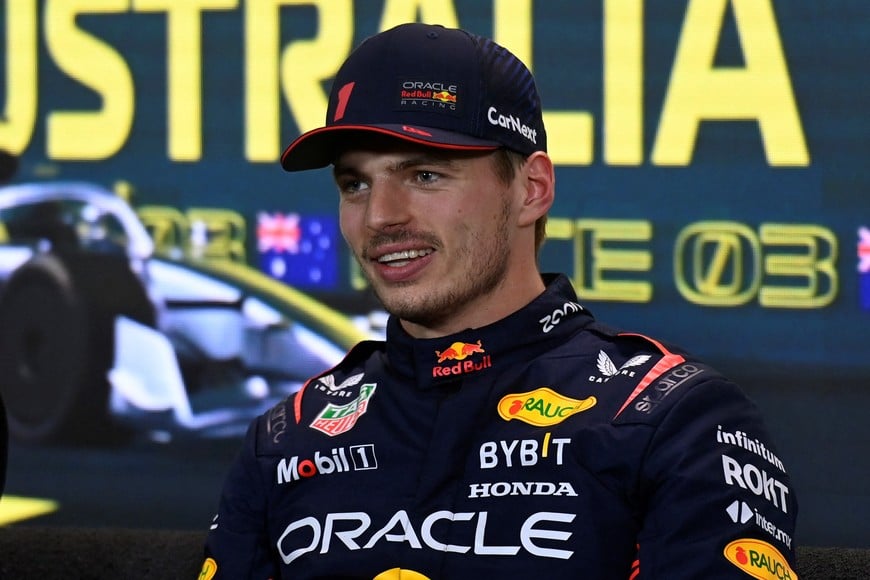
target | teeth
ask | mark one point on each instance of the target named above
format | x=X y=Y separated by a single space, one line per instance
x=401 y=258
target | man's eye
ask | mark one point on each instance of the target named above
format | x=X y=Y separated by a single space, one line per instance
x=351 y=186
x=427 y=176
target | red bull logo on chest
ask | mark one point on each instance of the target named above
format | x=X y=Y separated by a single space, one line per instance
x=460 y=352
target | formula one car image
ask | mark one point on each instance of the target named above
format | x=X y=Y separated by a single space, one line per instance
x=100 y=337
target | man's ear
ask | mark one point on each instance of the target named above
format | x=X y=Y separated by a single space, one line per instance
x=540 y=186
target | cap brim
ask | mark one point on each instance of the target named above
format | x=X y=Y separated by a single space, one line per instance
x=318 y=148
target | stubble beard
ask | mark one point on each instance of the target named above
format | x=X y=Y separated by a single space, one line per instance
x=480 y=268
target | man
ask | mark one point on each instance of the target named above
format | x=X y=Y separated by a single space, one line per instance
x=500 y=431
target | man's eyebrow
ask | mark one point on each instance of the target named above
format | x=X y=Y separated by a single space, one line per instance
x=340 y=168
x=425 y=159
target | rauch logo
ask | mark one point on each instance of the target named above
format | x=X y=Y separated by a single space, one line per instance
x=542 y=407
x=759 y=560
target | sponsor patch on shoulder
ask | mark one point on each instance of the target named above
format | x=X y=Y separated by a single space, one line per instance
x=336 y=419
x=666 y=384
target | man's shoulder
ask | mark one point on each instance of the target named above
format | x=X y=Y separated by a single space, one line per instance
x=327 y=403
x=642 y=376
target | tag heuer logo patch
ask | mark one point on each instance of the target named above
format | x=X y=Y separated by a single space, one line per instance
x=336 y=419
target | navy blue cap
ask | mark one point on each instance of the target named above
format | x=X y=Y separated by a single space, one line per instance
x=431 y=85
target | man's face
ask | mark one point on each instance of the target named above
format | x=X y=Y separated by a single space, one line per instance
x=433 y=231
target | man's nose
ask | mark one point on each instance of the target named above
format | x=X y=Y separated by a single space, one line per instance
x=388 y=205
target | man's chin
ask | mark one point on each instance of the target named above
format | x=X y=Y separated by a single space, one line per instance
x=399 y=304
x=407 y=304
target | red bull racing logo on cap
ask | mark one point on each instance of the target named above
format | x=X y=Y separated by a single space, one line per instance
x=428 y=96
x=444 y=97
x=459 y=352
x=759 y=560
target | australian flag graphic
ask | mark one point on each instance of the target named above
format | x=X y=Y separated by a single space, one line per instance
x=864 y=267
x=300 y=250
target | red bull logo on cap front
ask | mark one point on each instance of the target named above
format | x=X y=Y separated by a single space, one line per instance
x=432 y=96
x=460 y=351
x=444 y=97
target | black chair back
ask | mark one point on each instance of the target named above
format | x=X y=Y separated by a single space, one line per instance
x=4 y=445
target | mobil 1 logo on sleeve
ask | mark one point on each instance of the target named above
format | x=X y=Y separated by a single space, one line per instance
x=336 y=460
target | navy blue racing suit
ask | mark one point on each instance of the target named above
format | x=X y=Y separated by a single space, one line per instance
x=545 y=445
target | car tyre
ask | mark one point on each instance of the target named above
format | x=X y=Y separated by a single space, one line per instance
x=55 y=351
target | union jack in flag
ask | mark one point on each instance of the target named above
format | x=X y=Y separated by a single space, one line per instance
x=864 y=266
x=278 y=232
